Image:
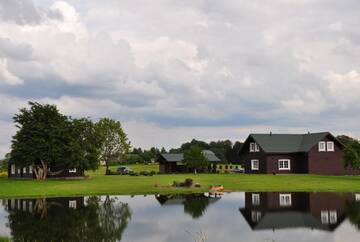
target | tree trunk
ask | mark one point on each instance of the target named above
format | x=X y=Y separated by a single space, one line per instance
x=107 y=172
x=41 y=171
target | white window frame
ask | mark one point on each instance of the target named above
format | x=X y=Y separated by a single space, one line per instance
x=322 y=146
x=13 y=169
x=254 y=147
x=333 y=217
x=281 y=164
x=72 y=204
x=255 y=199
x=253 y=167
x=285 y=200
x=330 y=143
x=24 y=170
x=324 y=216
x=18 y=171
x=72 y=170
x=30 y=169
x=255 y=216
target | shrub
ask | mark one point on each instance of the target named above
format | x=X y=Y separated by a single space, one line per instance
x=188 y=182
x=152 y=173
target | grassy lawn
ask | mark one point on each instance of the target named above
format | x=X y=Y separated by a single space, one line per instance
x=98 y=184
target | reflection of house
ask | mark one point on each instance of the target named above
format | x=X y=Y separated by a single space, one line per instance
x=35 y=205
x=316 y=153
x=274 y=210
x=194 y=204
x=172 y=163
x=16 y=171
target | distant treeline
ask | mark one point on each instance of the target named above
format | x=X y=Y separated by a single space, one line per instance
x=226 y=150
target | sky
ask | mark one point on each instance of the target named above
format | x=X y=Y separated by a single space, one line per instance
x=175 y=70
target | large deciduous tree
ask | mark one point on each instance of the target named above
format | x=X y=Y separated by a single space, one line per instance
x=352 y=153
x=114 y=144
x=194 y=158
x=46 y=138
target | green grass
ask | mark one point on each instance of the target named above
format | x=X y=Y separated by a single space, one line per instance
x=98 y=184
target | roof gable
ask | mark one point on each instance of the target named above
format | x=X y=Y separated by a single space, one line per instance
x=288 y=143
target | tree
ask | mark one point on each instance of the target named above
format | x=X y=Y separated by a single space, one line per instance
x=48 y=138
x=194 y=158
x=114 y=143
x=352 y=153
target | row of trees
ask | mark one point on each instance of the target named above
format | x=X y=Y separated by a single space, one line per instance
x=224 y=149
x=46 y=138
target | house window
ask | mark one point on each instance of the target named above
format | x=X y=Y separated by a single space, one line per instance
x=72 y=204
x=322 y=146
x=72 y=170
x=255 y=165
x=285 y=200
x=255 y=198
x=255 y=216
x=24 y=206
x=330 y=146
x=226 y=167
x=254 y=147
x=231 y=167
x=30 y=169
x=12 y=203
x=220 y=167
x=13 y=169
x=284 y=164
x=24 y=170
x=30 y=206
x=324 y=217
x=333 y=217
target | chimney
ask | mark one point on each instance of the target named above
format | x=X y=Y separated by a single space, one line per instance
x=308 y=132
x=270 y=133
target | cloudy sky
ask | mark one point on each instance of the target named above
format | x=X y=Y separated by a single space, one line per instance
x=173 y=70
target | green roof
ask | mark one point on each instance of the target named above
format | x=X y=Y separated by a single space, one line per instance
x=288 y=143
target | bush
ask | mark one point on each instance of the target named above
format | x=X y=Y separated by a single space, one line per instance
x=144 y=173
x=188 y=182
x=152 y=173
x=133 y=173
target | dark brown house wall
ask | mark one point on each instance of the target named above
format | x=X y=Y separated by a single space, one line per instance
x=329 y=163
x=22 y=173
x=246 y=156
x=298 y=163
x=327 y=202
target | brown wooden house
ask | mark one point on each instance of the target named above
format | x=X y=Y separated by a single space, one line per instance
x=315 y=153
x=174 y=163
x=27 y=172
x=282 y=210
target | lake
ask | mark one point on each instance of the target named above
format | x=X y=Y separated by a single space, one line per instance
x=240 y=216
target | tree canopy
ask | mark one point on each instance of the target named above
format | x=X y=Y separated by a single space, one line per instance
x=351 y=151
x=46 y=138
x=194 y=158
x=114 y=144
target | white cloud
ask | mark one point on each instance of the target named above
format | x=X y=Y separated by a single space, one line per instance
x=6 y=76
x=344 y=88
x=186 y=66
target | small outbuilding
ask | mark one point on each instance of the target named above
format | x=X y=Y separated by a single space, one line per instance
x=174 y=163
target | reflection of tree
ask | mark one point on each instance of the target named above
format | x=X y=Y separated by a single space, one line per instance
x=52 y=220
x=353 y=213
x=196 y=204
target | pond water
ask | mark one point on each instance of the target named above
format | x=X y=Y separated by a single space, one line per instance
x=243 y=216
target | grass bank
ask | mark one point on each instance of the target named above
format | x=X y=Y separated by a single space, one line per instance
x=98 y=184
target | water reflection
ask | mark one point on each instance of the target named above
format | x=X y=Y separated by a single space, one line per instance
x=67 y=219
x=322 y=211
x=264 y=216
x=194 y=204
